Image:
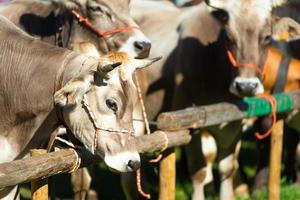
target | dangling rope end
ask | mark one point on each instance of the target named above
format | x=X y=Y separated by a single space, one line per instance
x=156 y=160
x=263 y=136
x=139 y=185
x=272 y=101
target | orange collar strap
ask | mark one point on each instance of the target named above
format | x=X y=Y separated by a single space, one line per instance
x=85 y=21
x=248 y=65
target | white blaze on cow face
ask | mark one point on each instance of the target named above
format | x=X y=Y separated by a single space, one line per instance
x=107 y=16
x=249 y=28
x=111 y=95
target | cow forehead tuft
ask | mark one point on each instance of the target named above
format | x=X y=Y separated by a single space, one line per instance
x=118 y=57
x=237 y=8
x=255 y=4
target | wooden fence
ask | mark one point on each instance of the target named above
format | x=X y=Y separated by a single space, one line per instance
x=204 y=116
x=174 y=125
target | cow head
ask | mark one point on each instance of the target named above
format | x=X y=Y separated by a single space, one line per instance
x=107 y=16
x=97 y=106
x=249 y=27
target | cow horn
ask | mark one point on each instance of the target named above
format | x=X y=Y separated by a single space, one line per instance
x=276 y=3
x=108 y=67
x=215 y=4
x=146 y=62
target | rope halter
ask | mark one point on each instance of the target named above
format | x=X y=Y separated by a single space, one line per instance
x=235 y=64
x=86 y=22
x=269 y=98
x=97 y=127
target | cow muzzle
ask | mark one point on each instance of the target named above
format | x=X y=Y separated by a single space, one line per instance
x=137 y=46
x=123 y=162
x=246 y=87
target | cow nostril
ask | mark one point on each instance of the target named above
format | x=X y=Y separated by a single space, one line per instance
x=246 y=88
x=134 y=165
x=139 y=45
x=239 y=87
x=253 y=85
x=143 y=48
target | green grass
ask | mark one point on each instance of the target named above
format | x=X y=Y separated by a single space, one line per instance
x=288 y=192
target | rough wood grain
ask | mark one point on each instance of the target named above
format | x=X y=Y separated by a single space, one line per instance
x=157 y=140
x=275 y=161
x=42 y=166
x=38 y=167
x=39 y=187
x=167 y=176
x=203 y=116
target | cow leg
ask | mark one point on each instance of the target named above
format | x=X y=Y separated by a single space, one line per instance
x=227 y=169
x=263 y=146
x=197 y=166
x=81 y=182
x=291 y=141
x=209 y=149
x=10 y=193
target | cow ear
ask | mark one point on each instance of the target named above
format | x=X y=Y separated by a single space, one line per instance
x=72 y=93
x=285 y=29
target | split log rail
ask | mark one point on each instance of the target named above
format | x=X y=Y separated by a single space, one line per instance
x=172 y=125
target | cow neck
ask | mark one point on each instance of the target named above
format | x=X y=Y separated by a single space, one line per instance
x=59 y=83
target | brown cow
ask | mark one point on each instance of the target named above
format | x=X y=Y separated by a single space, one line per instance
x=292 y=137
x=86 y=90
x=54 y=22
x=283 y=75
x=197 y=69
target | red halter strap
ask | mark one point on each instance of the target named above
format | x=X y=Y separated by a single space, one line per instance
x=248 y=65
x=269 y=98
x=86 y=22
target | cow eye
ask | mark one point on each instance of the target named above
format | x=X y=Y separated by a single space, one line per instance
x=95 y=9
x=112 y=104
x=221 y=15
x=267 y=39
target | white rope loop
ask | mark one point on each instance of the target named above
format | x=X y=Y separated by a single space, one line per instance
x=77 y=162
x=98 y=128
x=139 y=91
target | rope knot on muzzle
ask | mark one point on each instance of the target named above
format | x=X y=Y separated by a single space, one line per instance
x=235 y=64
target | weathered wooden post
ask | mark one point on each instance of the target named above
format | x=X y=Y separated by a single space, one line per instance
x=167 y=175
x=39 y=188
x=275 y=161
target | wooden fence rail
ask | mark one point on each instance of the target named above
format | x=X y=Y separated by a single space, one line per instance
x=27 y=169
x=39 y=167
x=203 y=116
